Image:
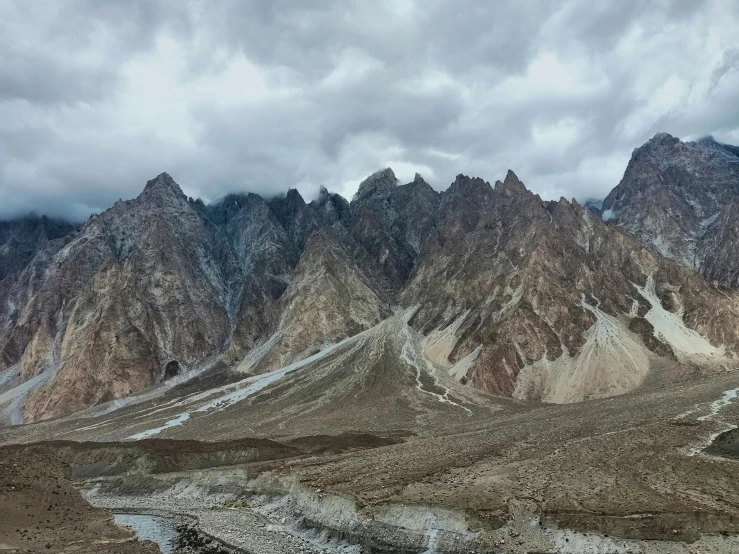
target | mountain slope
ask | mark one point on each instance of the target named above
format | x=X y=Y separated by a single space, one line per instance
x=374 y=380
x=392 y=222
x=328 y=299
x=677 y=197
x=133 y=291
x=509 y=294
x=541 y=300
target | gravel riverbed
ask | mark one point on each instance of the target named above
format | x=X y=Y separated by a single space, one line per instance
x=238 y=528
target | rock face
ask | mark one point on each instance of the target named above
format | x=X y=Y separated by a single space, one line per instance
x=681 y=199
x=135 y=289
x=595 y=206
x=333 y=294
x=535 y=299
x=22 y=238
x=512 y=295
x=392 y=223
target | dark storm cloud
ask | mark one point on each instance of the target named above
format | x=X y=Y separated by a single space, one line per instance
x=97 y=96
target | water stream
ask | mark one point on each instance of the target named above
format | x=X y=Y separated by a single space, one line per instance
x=160 y=530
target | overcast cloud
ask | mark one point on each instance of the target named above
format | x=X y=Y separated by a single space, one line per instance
x=98 y=96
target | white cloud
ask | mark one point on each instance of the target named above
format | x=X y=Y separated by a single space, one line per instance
x=97 y=96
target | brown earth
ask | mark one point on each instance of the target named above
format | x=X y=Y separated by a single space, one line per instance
x=40 y=511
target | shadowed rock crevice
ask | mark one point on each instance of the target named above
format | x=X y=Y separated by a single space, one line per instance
x=172 y=369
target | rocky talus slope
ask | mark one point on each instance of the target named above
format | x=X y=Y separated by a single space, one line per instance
x=508 y=294
x=541 y=300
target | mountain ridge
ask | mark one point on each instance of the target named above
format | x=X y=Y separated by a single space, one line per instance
x=515 y=296
x=671 y=197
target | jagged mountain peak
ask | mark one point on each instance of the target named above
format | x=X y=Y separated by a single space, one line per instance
x=417 y=186
x=232 y=204
x=729 y=150
x=708 y=140
x=288 y=207
x=467 y=199
x=664 y=148
x=294 y=196
x=379 y=183
x=671 y=197
x=298 y=218
x=163 y=184
x=323 y=196
x=512 y=179
x=331 y=206
x=514 y=184
x=663 y=138
x=515 y=264
x=463 y=183
x=656 y=145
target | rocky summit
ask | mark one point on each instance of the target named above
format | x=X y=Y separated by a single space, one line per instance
x=681 y=199
x=514 y=296
x=471 y=370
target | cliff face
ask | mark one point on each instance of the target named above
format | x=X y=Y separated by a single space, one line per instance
x=542 y=300
x=679 y=198
x=392 y=222
x=135 y=289
x=22 y=238
x=513 y=295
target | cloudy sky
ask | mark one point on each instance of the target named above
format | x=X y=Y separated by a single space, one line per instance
x=97 y=96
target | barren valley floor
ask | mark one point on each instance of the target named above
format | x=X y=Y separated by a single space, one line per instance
x=633 y=473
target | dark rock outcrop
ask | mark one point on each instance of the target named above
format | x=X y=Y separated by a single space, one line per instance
x=392 y=222
x=679 y=198
x=22 y=238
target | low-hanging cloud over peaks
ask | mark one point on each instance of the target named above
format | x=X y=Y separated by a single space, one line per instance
x=98 y=96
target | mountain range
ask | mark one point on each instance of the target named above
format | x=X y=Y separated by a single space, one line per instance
x=508 y=294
